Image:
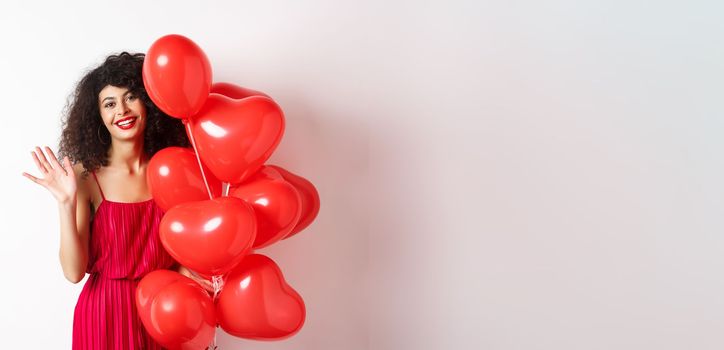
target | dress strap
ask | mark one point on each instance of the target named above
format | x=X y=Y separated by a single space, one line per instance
x=99 y=184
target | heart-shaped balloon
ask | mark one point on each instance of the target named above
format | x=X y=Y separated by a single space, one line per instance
x=234 y=91
x=149 y=286
x=257 y=303
x=177 y=75
x=309 y=196
x=209 y=237
x=176 y=311
x=174 y=177
x=235 y=137
x=276 y=204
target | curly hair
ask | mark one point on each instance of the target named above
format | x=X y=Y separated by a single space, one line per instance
x=85 y=139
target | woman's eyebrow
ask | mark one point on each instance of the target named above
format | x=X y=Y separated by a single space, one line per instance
x=113 y=98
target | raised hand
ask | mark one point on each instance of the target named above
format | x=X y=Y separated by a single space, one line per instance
x=58 y=179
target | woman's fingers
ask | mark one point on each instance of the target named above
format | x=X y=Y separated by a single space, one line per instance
x=34 y=179
x=38 y=163
x=54 y=160
x=42 y=158
x=45 y=166
x=205 y=283
x=68 y=166
x=208 y=286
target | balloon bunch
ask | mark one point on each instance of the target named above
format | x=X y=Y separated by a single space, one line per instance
x=221 y=203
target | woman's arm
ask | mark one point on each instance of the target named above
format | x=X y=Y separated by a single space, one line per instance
x=74 y=232
x=62 y=182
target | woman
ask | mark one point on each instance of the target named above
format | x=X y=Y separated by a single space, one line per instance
x=108 y=220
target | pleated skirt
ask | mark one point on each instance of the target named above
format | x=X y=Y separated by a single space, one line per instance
x=106 y=318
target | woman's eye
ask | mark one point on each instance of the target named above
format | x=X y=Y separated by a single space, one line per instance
x=131 y=97
x=110 y=104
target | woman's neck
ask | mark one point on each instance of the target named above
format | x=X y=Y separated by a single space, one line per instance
x=126 y=156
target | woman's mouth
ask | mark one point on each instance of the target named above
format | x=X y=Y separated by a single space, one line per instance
x=126 y=123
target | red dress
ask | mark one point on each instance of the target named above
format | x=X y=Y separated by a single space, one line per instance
x=124 y=245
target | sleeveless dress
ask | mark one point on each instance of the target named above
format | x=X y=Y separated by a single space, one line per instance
x=124 y=245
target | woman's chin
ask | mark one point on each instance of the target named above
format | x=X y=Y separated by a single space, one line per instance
x=128 y=137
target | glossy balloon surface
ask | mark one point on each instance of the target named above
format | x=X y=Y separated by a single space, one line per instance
x=174 y=178
x=209 y=237
x=309 y=199
x=257 y=303
x=177 y=75
x=276 y=205
x=175 y=310
x=235 y=137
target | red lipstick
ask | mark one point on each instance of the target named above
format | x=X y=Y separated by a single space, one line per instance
x=126 y=123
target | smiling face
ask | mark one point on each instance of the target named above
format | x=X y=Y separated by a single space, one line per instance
x=123 y=113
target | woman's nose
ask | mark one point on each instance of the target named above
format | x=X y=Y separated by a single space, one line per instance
x=122 y=108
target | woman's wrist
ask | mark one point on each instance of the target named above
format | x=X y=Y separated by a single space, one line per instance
x=67 y=205
x=68 y=201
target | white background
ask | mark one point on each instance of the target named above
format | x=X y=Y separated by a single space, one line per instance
x=494 y=175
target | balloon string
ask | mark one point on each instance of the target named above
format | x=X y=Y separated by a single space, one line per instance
x=225 y=188
x=198 y=159
x=218 y=284
x=213 y=345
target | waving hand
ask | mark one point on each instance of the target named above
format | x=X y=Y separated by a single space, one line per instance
x=58 y=179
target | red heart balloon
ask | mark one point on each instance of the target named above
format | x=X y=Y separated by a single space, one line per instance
x=257 y=303
x=276 y=204
x=174 y=177
x=235 y=137
x=234 y=91
x=209 y=237
x=150 y=285
x=177 y=75
x=175 y=310
x=309 y=196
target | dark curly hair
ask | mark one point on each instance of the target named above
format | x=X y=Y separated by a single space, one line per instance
x=85 y=139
